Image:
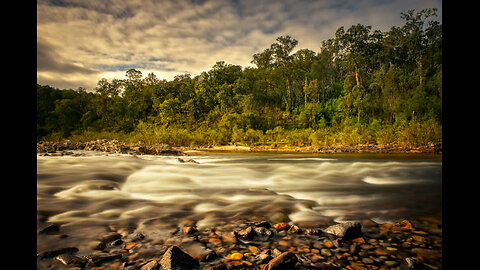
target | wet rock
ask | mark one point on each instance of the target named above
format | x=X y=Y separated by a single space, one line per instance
x=359 y=240
x=198 y=251
x=189 y=230
x=325 y=252
x=328 y=243
x=181 y=160
x=276 y=252
x=347 y=230
x=236 y=256
x=100 y=258
x=55 y=252
x=117 y=242
x=175 y=259
x=367 y=261
x=71 y=260
x=263 y=233
x=264 y=257
x=138 y=237
x=264 y=224
x=97 y=245
x=390 y=263
x=294 y=229
x=286 y=260
x=247 y=233
x=317 y=232
x=412 y=264
x=110 y=237
x=151 y=265
x=255 y=250
x=281 y=226
x=52 y=228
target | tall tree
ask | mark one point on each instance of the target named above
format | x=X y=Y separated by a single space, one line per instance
x=282 y=50
x=415 y=40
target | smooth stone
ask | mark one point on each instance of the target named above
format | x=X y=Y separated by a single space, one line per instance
x=347 y=230
x=71 y=260
x=103 y=257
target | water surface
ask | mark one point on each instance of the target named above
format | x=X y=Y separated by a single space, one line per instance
x=85 y=194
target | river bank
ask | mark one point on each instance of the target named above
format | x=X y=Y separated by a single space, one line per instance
x=234 y=211
x=257 y=244
x=115 y=146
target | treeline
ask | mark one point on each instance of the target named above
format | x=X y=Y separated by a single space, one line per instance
x=364 y=86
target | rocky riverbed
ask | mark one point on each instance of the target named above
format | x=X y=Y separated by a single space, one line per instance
x=115 y=146
x=109 y=146
x=257 y=243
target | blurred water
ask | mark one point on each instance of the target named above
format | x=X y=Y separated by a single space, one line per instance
x=87 y=193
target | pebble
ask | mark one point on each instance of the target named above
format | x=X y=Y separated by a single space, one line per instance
x=236 y=256
x=281 y=226
x=247 y=233
x=252 y=245
x=325 y=252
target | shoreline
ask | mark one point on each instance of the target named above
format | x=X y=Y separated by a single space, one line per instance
x=257 y=245
x=115 y=146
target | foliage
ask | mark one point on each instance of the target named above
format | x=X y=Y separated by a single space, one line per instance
x=364 y=86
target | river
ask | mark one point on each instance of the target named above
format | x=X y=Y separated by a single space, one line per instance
x=87 y=192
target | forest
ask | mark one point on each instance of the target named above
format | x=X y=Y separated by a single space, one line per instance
x=363 y=86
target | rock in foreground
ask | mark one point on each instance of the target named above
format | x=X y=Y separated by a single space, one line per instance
x=346 y=231
x=286 y=260
x=175 y=259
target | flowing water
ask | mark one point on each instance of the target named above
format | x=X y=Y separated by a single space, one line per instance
x=85 y=194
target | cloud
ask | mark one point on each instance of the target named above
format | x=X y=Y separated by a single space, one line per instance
x=82 y=40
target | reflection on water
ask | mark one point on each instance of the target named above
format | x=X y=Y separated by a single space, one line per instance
x=87 y=193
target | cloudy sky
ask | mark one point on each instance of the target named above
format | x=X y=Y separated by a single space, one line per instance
x=81 y=41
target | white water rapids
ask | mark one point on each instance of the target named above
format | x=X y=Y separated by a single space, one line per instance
x=87 y=193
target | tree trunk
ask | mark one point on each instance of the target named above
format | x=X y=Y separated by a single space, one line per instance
x=305 y=90
x=286 y=103
x=358 y=115
x=420 y=66
x=289 y=91
x=356 y=76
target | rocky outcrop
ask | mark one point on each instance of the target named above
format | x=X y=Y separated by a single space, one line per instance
x=109 y=146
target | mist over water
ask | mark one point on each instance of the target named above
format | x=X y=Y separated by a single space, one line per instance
x=87 y=193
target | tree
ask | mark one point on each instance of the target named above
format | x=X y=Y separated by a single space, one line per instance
x=282 y=58
x=415 y=37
